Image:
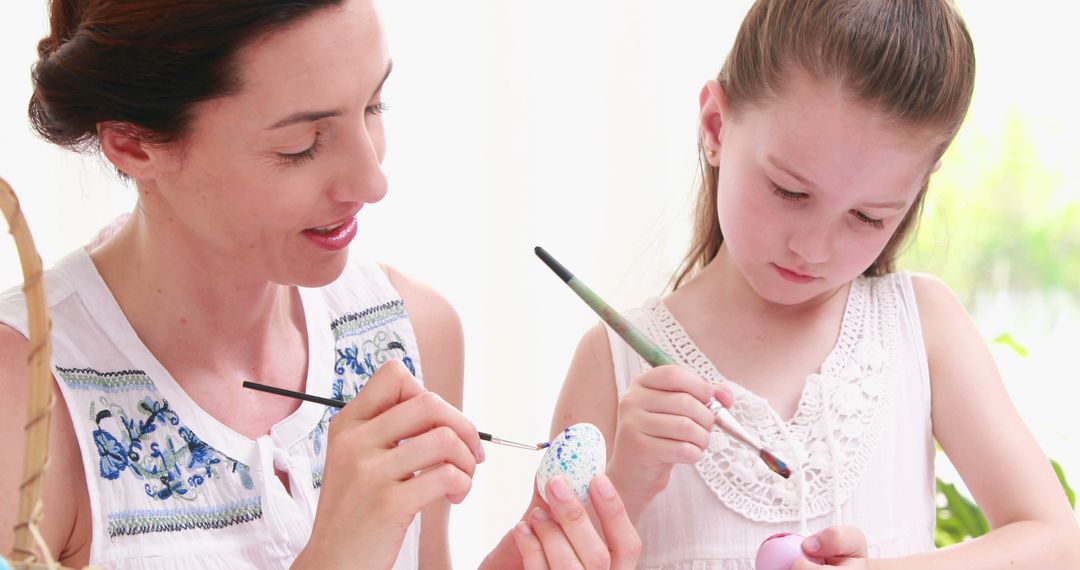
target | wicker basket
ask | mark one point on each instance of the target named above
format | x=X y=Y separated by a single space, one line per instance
x=30 y=550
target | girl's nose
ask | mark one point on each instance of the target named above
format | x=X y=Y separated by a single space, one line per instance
x=813 y=243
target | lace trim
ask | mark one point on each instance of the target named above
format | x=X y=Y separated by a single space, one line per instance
x=718 y=564
x=835 y=429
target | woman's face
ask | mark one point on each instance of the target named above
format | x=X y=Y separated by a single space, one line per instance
x=270 y=179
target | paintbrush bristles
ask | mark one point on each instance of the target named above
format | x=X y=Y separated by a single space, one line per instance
x=774 y=463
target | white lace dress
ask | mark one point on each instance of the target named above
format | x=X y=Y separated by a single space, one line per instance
x=860 y=444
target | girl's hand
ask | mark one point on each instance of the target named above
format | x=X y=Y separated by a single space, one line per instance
x=561 y=535
x=834 y=547
x=663 y=419
x=374 y=483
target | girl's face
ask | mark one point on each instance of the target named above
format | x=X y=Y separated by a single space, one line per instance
x=270 y=179
x=811 y=186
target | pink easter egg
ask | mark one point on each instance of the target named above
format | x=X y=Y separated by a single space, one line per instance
x=779 y=551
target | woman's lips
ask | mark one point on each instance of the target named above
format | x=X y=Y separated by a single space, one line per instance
x=334 y=237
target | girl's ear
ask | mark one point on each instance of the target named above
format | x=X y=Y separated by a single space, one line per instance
x=714 y=111
x=124 y=146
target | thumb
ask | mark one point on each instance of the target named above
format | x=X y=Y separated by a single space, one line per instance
x=836 y=542
x=391 y=385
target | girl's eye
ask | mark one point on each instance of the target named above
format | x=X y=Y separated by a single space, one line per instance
x=786 y=195
x=376 y=109
x=864 y=219
x=304 y=155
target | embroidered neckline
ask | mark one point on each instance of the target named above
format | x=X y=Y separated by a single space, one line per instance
x=833 y=433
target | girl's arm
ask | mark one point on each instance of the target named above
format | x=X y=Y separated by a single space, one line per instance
x=579 y=401
x=663 y=419
x=440 y=341
x=999 y=460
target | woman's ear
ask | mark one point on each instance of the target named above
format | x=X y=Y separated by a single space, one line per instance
x=714 y=111
x=124 y=146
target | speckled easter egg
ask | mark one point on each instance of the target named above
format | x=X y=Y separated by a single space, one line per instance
x=779 y=552
x=578 y=454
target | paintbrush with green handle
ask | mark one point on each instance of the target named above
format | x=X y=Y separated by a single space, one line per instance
x=655 y=356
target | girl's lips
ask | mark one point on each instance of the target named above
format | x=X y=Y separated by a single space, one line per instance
x=793 y=276
x=336 y=239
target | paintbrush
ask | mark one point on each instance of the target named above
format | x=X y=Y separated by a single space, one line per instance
x=341 y=404
x=655 y=356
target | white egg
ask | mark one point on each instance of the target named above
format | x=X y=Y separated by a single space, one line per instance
x=578 y=454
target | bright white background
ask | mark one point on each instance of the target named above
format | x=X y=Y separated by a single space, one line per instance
x=569 y=125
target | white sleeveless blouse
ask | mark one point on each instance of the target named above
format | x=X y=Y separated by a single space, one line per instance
x=860 y=444
x=170 y=486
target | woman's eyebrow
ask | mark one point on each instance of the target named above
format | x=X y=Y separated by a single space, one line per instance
x=310 y=116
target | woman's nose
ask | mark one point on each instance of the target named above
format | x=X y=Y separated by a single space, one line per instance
x=361 y=177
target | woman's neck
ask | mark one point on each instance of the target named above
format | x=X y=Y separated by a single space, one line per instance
x=186 y=304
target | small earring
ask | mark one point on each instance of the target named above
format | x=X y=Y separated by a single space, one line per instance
x=712 y=153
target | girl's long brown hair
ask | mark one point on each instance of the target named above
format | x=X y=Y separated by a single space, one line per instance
x=912 y=60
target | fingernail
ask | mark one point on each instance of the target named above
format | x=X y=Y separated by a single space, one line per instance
x=719 y=394
x=538 y=514
x=560 y=488
x=812 y=544
x=480 y=453
x=604 y=486
x=522 y=527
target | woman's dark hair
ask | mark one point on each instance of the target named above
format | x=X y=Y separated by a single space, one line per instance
x=144 y=63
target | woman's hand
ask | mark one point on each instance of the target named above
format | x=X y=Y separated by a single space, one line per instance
x=374 y=483
x=834 y=547
x=663 y=419
x=562 y=535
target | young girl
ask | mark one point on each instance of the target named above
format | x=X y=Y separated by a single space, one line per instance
x=252 y=132
x=818 y=139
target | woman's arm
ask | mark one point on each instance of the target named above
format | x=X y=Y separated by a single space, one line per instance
x=65 y=524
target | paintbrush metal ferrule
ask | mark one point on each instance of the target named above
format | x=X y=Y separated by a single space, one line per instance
x=508 y=443
x=732 y=426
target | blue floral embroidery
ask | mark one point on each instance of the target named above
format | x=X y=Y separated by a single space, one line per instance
x=114 y=457
x=170 y=468
x=358 y=357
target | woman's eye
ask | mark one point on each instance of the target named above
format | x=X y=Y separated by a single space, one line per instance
x=304 y=155
x=376 y=109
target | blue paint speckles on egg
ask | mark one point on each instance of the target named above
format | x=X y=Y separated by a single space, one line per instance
x=578 y=454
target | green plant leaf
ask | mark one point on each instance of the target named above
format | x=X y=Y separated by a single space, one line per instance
x=1007 y=340
x=1064 y=484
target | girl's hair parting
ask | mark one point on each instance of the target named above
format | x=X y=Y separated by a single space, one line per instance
x=910 y=59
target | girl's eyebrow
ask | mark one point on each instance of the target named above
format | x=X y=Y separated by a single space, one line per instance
x=779 y=164
x=310 y=116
